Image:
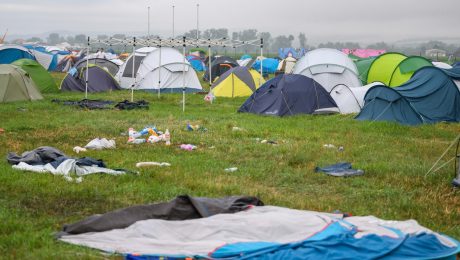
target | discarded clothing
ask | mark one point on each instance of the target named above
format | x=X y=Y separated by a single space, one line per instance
x=86 y=103
x=41 y=155
x=181 y=208
x=126 y=105
x=271 y=232
x=342 y=169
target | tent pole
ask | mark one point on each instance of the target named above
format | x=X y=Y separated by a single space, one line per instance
x=183 y=75
x=134 y=64
x=87 y=67
x=209 y=66
x=261 y=59
x=159 y=72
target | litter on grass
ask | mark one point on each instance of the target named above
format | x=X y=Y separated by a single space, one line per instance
x=147 y=164
x=96 y=144
x=342 y=169
x=188 y=147
x=150 y=134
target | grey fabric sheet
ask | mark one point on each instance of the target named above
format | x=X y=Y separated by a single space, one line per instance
x=40 y=156
x=181 y=208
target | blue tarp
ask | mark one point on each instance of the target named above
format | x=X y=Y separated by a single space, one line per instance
x=245 y=57
x=288 y=94
x=430 y=96
x=10 y=55
x=283 y=53
x=269 y=65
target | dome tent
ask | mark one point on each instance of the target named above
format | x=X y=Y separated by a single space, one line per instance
x=237 y=82
x=106 y=64
x=99 y=80
x=16 y=85
x=430 y=96
x=12 y=52
x=350 y=100
x=363 y=68
x=286 y=65
x=382 y=68
x=39 y=75
x=290 y=94
x=219 y=65
x=158 y=69
x=329 y=67
x=406 y=68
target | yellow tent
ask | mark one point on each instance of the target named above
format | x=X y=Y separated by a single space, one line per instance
x=237 y=82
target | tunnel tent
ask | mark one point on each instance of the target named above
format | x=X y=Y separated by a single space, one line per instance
x=12 y=52
x=39 y=75
x=237 y=82
x=382 y=68
x=106 y=64
x=290 y=94
x=16 y=85
x=329 y=67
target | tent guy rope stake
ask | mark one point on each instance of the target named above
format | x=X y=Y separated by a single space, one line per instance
x=443 y=154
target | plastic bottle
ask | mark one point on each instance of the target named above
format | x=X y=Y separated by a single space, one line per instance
x=167 y=137
x=232 y=169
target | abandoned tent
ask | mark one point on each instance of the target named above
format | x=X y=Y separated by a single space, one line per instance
x=39 y=75
x=98 y=79
x=16 y=85
x=11 y=52
x=106 y=64
x=219 y=66
x=237 y=82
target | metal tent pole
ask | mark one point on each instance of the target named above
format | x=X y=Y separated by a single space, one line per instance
x=261 y=60
x=197 y=21
x=183 y=75
x=209 y=64
x=134 y=65
x=173 y=21
x=148 y=21
x=159 y=71
x=87 y=67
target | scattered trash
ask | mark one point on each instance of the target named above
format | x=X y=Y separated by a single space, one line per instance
x=78 y=149
x=212 y=147
x=22 y=109
x=154 y=136
x=86 y=103
x=190 y=127
x=342 y=169
x=268 y=142
x=79 y=180
x=329 y=146
x=340 y=148
x=126 y=105
x=146 y=164
x=2 y=130
x=96 y=144
x=231 y=169
x=188 y=147
x=209 y=97
x=235 y=128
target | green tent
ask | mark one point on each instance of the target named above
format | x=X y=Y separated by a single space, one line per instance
x=39 y=75
x=16 y=85
x=363 y=66
x=382 y=68
x=406 y=69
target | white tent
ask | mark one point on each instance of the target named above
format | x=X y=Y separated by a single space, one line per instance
x=441 y=65
x=287 y=65
x=350 y=100
x=329 y=67
x=163 y=69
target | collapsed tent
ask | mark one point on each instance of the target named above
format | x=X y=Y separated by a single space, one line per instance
x=109 y=66
x=16 y=85
x=237 y=82
x=162 y=69
x=190 y=227
x=66 y=63
x=39 y=75
x=382 y=67
x=11 y=52
x=329 y=67
x=269 y=65
x=286 y=65
x=219 y=66
x=48 y=60
x=350 y=100
x=196 y=62
x=290 y=94
x=430 y=96
x=98 y=79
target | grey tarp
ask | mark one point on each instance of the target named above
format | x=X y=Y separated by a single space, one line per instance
x=40 y=156
x=98 y=80
x=181 y=208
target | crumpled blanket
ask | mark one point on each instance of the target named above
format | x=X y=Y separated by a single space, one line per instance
x=126 y=105
x=41 y=155
x=86 y=103
x=342 y=169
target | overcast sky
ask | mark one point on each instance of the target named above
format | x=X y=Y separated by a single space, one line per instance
x=320 y=20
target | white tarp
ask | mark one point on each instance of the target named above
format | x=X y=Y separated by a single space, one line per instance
x=329 y=67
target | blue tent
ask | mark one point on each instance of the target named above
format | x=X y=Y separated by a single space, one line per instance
x=245 y=57
x=196 y=62
x=457 y=64
x=430 y=96
x=11 y=53
x=283 y=53
x=47 y=59
x=290 y=94
x=269 y=65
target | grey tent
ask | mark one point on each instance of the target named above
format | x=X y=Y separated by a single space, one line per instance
x=110 y=66
x=219 y=66
x=430 y=96
x=98 y=80
x=16 y=85
x=290 y=94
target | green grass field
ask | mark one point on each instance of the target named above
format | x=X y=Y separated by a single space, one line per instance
x=395 y=158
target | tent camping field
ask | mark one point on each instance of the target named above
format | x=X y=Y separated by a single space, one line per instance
x=395 y=159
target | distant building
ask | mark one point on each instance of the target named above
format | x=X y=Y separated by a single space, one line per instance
x=435 y=53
